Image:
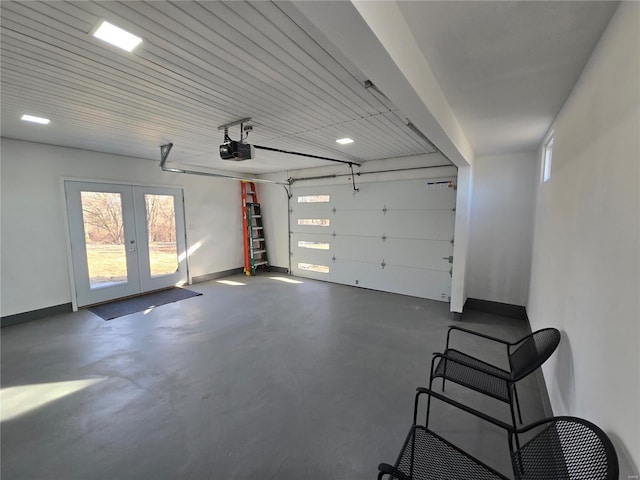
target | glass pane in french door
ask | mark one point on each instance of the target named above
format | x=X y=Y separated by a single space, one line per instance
x=161 y=231
x=104 y=238
x=161 y=237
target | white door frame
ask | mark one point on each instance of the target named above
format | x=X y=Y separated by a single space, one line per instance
x=72 y=279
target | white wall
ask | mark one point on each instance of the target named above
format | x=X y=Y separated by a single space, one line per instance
x=502 y=217
x=34 y=271
x=462 y=244
x=586 y=254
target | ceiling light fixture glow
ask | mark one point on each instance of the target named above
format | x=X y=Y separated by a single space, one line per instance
x=344 y=141
x=31 y=118
x=117 y=36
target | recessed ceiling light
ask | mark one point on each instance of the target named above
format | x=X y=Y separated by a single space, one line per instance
x=117 y=36
x=344 y=141
x=31 y=118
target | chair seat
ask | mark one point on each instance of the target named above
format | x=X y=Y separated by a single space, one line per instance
x=495 y=386
x=434 y=458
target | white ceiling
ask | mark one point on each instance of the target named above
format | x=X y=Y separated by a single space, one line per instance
x=505 y=68
x=201 y=65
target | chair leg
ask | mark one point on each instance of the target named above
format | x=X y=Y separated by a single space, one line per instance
x=520 y=467
x=515 y=394
x=444 y=373
x=426 y=420
x=513 y=416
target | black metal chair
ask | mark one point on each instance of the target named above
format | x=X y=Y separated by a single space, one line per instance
x=559 y=448
x=524 y=356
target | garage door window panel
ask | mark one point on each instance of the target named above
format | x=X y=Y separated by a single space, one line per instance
x=314 y=245
x=313 y=267
x=314 y=198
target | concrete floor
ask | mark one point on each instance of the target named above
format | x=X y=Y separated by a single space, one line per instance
x=264 y=380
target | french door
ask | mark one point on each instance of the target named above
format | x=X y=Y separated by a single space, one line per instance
x=125 y=239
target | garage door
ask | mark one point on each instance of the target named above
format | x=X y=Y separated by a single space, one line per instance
x=392 y=236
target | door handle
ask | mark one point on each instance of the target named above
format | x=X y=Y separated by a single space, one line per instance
x=132 y=249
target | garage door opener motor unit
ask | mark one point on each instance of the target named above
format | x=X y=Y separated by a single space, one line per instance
x=237 y=150
x=233 y=150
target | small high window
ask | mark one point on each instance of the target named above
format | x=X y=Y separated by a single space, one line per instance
x=546 y=159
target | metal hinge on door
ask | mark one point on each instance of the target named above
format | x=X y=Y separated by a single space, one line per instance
x=450 y=258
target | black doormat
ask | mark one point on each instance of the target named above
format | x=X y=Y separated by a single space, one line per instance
x=127 y=306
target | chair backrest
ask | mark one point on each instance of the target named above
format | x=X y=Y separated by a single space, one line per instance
x=532 y=351
x=566 y=448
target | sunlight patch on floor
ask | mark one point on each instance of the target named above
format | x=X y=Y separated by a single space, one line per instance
x=285 y=279
x=230 y=282
x=21 y=399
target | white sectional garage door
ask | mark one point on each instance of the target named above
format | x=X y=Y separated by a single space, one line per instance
x=392 y=236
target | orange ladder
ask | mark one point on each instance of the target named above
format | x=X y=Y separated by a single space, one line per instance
x=255 y=246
